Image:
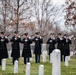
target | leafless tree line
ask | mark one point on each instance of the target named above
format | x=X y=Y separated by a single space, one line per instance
x=36 y=15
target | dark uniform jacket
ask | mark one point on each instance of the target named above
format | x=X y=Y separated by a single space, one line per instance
x=51 y=43
x=26 y=48
x=3 y=48
x=38 y=42
x=60 y=43
x=15 y=47
x=67 y=42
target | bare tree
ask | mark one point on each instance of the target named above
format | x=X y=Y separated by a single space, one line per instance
x=39 y=14
x=71 y=20
x=71 y=15
x=4 y=13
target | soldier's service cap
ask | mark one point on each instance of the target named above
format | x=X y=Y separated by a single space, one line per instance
x=59 y=33
x=2 y=33
x=37 y=33
x=65 y=35
x=25 y=34
x=16 y=32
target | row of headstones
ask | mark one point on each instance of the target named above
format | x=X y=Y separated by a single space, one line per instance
x=44 y=55
x=55 y=60
x=41 y=68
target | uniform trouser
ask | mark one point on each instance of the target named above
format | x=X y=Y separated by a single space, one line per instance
x=50 y=56
x=0 y=61
x=63 y=57
x=26 y=59
x=37 y=58
x=13 y=60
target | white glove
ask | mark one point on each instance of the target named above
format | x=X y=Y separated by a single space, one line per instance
x=61 y=39
x=6 y=37
x=25 y=40
x=15 y=38
x=18 y=36
x=29 y=37
x=40 y=37
x=36 y=39
x=50 y=40
x=2 y=40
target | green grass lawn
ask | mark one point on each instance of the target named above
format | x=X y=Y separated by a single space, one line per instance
x=70 y=70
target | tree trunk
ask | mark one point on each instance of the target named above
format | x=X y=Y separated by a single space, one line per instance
x=17 y=23
x=4 y=21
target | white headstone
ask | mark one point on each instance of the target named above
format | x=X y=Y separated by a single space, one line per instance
x=44 y=53
x=32 y=52
x=9 y=53
x=27 y=69
x=56 y=63
x=41 y=70
x=71 y=53
x=66 y=61
x=20 y=52
x=31 y=59
x=22 y=58
x=3 y=64
x=51 y=57
x=32 y=46
x=43 y=47
x=16 y=67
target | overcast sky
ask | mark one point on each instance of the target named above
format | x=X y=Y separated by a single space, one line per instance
x=59 y=2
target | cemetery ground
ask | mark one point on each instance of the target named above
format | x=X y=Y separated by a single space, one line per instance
x=70 y=70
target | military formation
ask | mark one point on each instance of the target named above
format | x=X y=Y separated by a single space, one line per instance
x=60 y=42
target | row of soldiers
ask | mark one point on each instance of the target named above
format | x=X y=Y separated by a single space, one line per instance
x=63 y=44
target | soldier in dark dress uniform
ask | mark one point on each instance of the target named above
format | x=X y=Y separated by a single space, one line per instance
x=51 y=41
x=67 y=42
x=15 y=47
x=3 y=47
x=26 y=53
x=37 y=50
x=60 y=45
